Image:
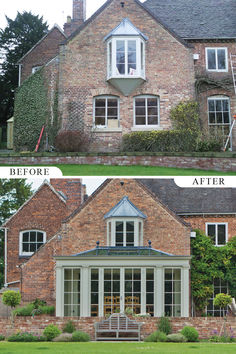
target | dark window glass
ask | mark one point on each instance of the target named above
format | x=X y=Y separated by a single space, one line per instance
x=221 y=59
x=211 y=56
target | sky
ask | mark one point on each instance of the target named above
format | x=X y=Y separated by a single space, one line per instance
x=53 y=11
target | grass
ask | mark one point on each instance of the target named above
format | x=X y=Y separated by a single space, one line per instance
x=101 y=170
x=118 y=348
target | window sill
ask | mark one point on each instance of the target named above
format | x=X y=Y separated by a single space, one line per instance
x=25 y=256
x=107 y=130
x=217 y=71
x=145 y=128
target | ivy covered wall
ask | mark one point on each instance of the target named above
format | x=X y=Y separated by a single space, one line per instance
x=35 y=106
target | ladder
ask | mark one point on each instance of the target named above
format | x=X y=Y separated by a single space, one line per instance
x=233 y=69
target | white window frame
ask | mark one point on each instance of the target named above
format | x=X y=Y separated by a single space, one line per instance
x=226 y=59
x=21 y=253
x=219 y=98
x=138 y=236
x=106 y=97
x=71 y=292
x=146 y=126
x=140 y=72
x=216 y=236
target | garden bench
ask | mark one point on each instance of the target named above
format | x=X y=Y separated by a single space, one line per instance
x=117 y=325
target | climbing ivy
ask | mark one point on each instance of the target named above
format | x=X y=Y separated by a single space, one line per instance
x=210 y=262
x=31 y=111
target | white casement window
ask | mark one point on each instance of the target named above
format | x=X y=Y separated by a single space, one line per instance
x=30 y=241
x=71 y=292
x=125 y=232
x=172 y=292
x=126 y=57
x=218 y=232
x=146 y=111
x=220 y=286
x=216 y=59
x=106 y=112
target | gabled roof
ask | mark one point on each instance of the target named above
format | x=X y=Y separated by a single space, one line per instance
x=197 y=19
x=190 y=201
x=126 y=28
x=125 y=208
x=54 y=27
x=34 y=194
x=145 y=8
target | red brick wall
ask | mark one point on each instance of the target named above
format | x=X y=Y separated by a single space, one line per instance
x=81 y=232
x=45 y=212
x=199 y=222
x=83 y=70
x=205 y=325
x=47 y=49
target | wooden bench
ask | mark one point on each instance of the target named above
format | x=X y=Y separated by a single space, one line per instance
x=117 y=325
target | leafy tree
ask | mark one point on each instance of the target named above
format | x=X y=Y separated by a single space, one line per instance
x=209 y=263
x=19 y=36
x=13 y=193
x=11 y=298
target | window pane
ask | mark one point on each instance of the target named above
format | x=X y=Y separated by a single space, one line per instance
x=152 y=111
x=99 y=120
x=68 y=274
x=32 y=247
x=112 y=102
x=94 y=274
x=211 y=105
x=32 y=236
x=150 y=286
x=100 y=112
x=218 y=105
x=211 y=59
x=212 y=118
x=152 y=120
x=150 y=299
x=137 y=274
x=107 y=274
x=128 y=274
x=140 y=102
x=120 y=57
x=112 y=112
x=40 y=237
x=25 y=236
x=100 y=102
x=140 y=120
x=132 y=46
x=168 y=274
x=140 y=111
x=221 y=235
x=68 y=286
x=219 y=117
x=225 y=117
x=221 y=59
x=25 y=247
x=211 y=231
x=120 y=46
x=225 y=105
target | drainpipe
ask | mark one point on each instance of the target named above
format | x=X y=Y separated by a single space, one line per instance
x=19 y=78
x=5 y=255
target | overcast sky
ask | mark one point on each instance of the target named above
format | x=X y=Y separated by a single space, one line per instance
x=53 y=11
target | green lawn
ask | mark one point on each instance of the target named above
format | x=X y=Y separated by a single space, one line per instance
x=128 y=348
x=101 y=170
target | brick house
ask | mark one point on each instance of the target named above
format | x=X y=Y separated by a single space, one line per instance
x=124 y=68
x=127 y=245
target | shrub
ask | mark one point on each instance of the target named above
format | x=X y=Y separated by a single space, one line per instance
x=222 y=300
x=176 y=338
x=11 y=298
x=209 y=144
x=129 y=311
x=159 y=141
x=63 y=337
x=25 y=337
x=156 y=336
x=69 y=327
x=190 y=333
x=47 y=310
x=24 y=311
x=38 y=302
x=80 y=336
x=71 y=141
x=164 y=325
x=51 y=332
x=1 y=337
x=185 y=116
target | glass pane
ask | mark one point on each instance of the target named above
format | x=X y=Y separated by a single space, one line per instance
x=212 y=118
x=177 y=274
x=116 y=274
x=137 y=286
x=225 y=105
x=176 y=311
x=130 y=226
x=120 y=46
x=128 y=274
x=211 y=59
x=219 y=117
x=100 y=102
x=94 y=298
x=140 y=102
x=75 y=310
x=25 y=247
x=68 y=286
x=168 y=310
x=150 y=286
x=150 y=274
x=211 y=231
x=40 y=237
x=132 y=58
x=76 y=274
x=140 y=120
x=211 y=105
x=67 y=311
x=140 y=111
x=128 y=286
x=168 y=299
x=226 y=117
x=132 y=46
x=107 y=274
x=99 y=120
x=121 y=69
x=25 y=236
x=137 y=274
x=76 y=298
x=152 y=111
x=177 y=299
x=94 y=274
x=168 y=274
x=76 y=286
x=112 y=103
x=116 y=286
x=107 y=286
x=32 y=247
x=150 y=299
x=152 y=102
x=221 y=59
x=221 y=235
x=168 y=286
x=112 y=112
x=177 y=286
x=32 y=236
x=218 y=105
x=100 y=112
x=68 y=274
x=67 y=299
x=152 y=120
x=38 y=245
x=94 y=286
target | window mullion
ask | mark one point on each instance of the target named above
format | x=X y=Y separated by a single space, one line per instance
x=124 y=235
x=126 y=57
x=146 y=111
x=106 y=111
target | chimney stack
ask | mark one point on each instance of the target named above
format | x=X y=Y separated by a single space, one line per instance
x=78 y=17
x=71 y=190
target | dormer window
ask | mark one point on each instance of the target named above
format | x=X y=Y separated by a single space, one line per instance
x=126 y=57
x=125 y=225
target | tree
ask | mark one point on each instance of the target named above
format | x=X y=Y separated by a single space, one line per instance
x=19 y=36
x=13 y=193
x=11 y=298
